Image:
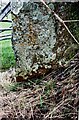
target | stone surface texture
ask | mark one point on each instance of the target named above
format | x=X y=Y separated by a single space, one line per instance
x=41 y=43
x=34 y=38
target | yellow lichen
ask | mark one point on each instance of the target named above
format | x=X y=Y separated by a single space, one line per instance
x=32 y=36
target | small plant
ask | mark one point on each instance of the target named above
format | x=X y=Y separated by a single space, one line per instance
x=49 y=86
x=12 y=86
x=41 y=101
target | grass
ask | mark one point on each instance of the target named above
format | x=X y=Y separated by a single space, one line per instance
x=7 y=59
x=7 y=55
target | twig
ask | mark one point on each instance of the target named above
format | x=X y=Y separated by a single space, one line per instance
x=61 y=21
x=70 y=33
x=61 y=116
x=58 y=105
x=71 y=20
x=72 y=107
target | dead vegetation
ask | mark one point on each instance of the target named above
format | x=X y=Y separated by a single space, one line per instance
x=55 y=97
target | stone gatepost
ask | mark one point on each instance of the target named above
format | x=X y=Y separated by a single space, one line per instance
x=37 y=48
x=34 y=38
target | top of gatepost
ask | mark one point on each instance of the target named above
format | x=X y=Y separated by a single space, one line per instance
x=44 y=1
x=16 y=5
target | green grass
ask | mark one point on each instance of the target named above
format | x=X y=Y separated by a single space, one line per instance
x=6 y=54
x=7 y=59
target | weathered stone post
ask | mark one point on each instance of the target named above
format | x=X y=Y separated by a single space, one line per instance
x=33 y=39
x=37 y=48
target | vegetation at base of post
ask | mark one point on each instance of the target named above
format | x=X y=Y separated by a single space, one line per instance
x=7 y=55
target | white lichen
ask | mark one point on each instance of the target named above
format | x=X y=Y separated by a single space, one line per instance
x=16 y=5
x=36 y=36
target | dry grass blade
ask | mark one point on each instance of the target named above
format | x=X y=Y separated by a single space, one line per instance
x=71 y=21
x=38 y=100
x=55 y=108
